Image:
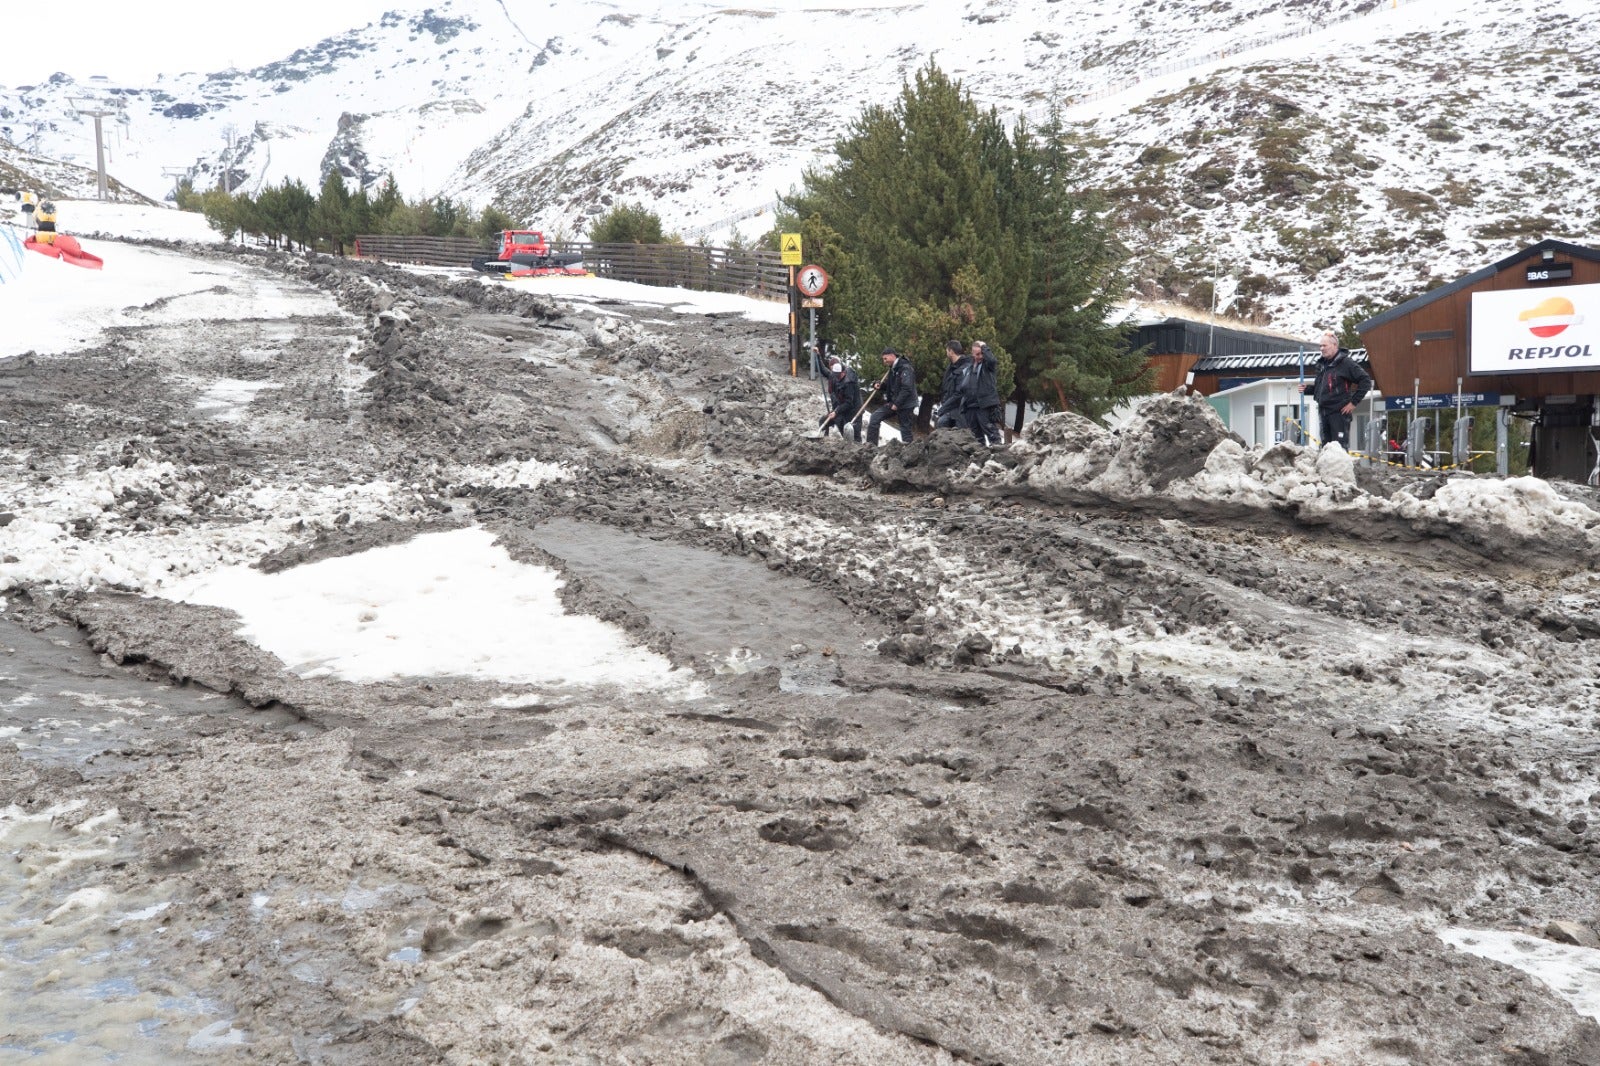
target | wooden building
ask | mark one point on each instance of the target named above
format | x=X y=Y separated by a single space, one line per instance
x=1176 y=341
x=1221 y=373
x=1536 y=353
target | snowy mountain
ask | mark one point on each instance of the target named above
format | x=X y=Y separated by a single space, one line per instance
x=1321 y=153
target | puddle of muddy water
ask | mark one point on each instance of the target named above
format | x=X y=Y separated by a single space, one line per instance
x=79 y=977
x=61 y=704
x=728 y=610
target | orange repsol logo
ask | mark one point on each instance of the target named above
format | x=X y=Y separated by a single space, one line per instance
x=1556 y=351
x=1550 y=317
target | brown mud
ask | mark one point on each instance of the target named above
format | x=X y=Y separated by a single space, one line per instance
x=993 y=761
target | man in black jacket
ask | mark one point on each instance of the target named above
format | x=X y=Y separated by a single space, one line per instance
x=844 y=395
x=900 y=396
x=952 y=414
x=982 y=395
x=1341 y=383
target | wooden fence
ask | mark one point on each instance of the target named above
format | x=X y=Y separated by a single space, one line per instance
x=757 y=272
x=422 y=251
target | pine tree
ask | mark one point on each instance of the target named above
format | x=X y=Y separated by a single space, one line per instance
x=358 y=218
x=388 y=201
x=450 y=217
x=1068 y=357
x=270 y=216
x=298 y=206
x=629 y=224
x=925 y=254
x=333 y=204
x=221 y=210
x=491 y=222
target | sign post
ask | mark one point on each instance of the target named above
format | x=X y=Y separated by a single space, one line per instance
x=789 y=251
x=1304 y=433
x=811 y=315
x=812 y=282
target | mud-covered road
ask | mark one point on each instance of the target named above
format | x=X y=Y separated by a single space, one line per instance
x=1076 y=752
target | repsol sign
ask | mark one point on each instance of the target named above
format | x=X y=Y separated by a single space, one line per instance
x=1548 y=351
x=1550 y=328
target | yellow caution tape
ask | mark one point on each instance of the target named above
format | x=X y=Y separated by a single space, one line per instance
x=1389 y=462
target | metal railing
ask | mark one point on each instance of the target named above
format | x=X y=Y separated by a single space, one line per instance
x=752 y=272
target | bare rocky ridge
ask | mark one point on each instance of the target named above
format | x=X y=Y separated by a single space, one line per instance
x=1064 y=753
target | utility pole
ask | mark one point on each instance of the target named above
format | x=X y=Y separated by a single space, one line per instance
x=98 y=110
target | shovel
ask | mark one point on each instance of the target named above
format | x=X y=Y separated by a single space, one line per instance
x=822 y=430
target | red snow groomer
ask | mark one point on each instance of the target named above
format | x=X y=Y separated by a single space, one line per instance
x=524 y=253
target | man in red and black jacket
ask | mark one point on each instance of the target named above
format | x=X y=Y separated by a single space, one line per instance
x=1341 y=383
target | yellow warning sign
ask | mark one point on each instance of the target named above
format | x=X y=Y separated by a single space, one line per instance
x=789 y=245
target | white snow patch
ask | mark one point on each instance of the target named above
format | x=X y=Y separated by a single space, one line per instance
x=43 y=542
x=1573 y=973
x=53 y=307
x=451 y=603
x=90 y=900
x=226 y=398
x=679 y=301
x=530 y=473
x=218 y=1036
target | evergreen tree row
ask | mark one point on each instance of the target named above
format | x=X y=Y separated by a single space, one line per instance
x=288 y=214
x=938 y=222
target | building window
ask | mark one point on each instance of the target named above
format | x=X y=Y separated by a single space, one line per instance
x=1259 y=430
x=1286 y=417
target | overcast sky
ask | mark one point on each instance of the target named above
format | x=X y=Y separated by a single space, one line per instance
x=135 y=40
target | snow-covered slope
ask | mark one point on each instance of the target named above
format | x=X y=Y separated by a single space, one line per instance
x=1366 y=166
x=411 y=94
x=1331 y=154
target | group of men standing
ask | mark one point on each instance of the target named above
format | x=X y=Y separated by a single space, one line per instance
x=969 y=397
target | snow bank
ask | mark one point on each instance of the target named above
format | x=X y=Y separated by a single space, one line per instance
x=51 y=307
x=667 y=298
x=134 y=221
x=1527 y=507
x=1176 y=447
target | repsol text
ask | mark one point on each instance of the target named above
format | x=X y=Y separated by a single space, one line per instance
x=1551 y=351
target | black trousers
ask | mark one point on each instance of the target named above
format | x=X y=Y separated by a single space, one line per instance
x=906 y=419
x=981 y=421
x=1335 y=426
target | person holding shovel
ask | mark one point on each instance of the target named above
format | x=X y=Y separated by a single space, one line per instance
x=844 y=397
x=899 y=387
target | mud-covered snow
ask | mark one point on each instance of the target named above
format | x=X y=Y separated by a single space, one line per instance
x=405 y=669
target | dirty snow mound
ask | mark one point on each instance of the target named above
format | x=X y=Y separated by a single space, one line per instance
x=1167 y=440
